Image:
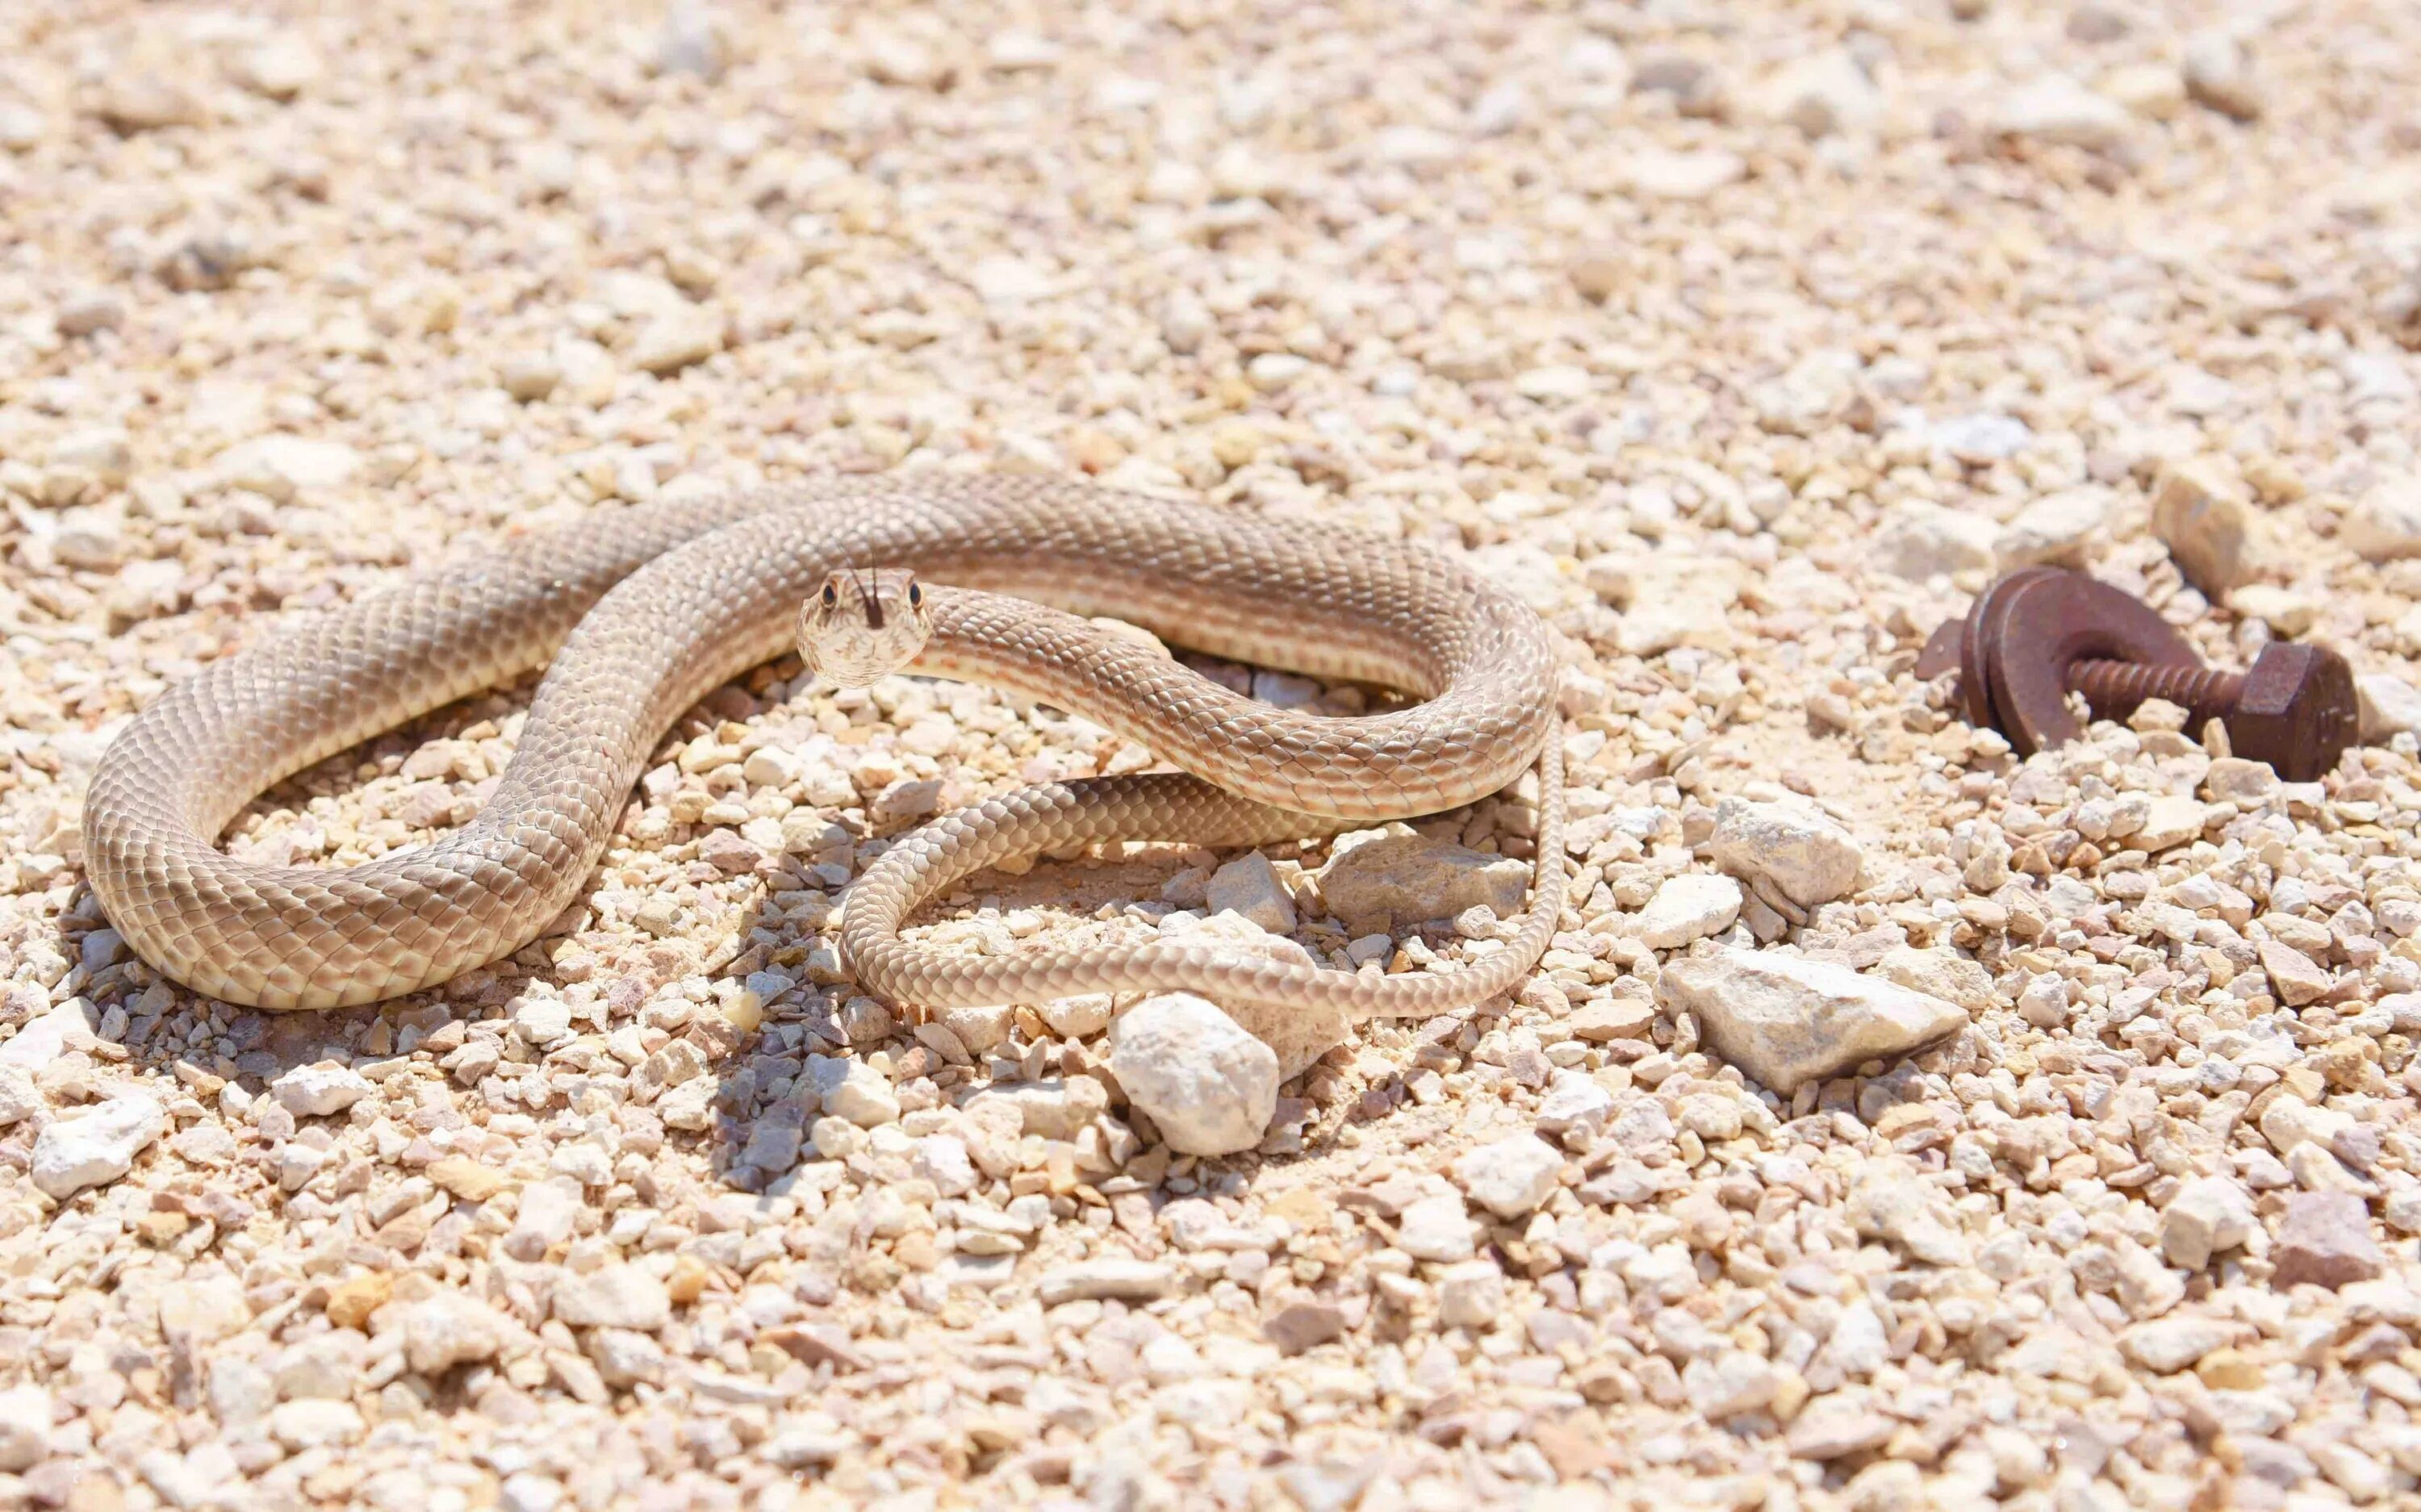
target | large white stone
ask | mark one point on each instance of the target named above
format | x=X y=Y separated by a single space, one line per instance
x=1511 y=1178
x=98 y=1149
x=1799 y=850
x=319 y=1090
x=1389 y=883
x=1787 y=1021
x=1207 y=1084
x=1250 y=886
x=1686 y=908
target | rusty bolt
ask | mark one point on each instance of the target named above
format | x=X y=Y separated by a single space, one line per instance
x=2037 y=634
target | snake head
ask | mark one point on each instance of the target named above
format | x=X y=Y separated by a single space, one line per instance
x=862 y=624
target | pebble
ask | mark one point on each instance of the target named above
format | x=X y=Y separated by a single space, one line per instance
x=2219 y=74
x=1893 y=1207
x=852 y=1089
x=1511 y=1178
x=1612 y=1019
x=613 y=1297
x=1437 y=1228
x=1825 y=93
x=46 y=1038
x=2384 y=525
x=1802 y=854
x=1925 y=540
x=2325 y=1240
x=1685 y=176
x=2174 y=1344
x=677 y=339
x=2056 y=108
x=2390 y=706
x=1078 y=1017
x=97 y=1147
x=1097 y=1280
x=319 y=1090
x=1787 y=1022
x=1574 y=1103
x=443 y=1331
x=282 y=467
x=1210 y=1085
x=25 y=1419
x=2201 y=515
x=2062 y=529
x=1249 y=886
x=1397 y=881
x=2208 y=1216
x=1304 y=1325
x=1687 y=908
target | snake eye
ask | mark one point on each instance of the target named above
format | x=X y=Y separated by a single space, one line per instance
x=916 y=596
x=831 y=597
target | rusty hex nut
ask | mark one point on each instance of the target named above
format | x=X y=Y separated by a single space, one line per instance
x=2298 y=710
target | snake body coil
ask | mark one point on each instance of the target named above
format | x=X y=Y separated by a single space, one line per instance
x=644 y=610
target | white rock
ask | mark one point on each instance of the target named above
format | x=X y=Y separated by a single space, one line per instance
x=2390 y=706
x=802 y=1440
x=2386 y=524
x=2174 y=1344
x=102 y=451
x=1686 y=908
x=1437 y=1228
x=20 y=1097
x=542 y=1021
x=1471 y=1295
x=1659 y=174
x=527 y=1491
x=1209 y=1084
x=1078 y=1017
x=978 y=1027
x=99 y=1147
x=1730 y=1383
x=25 y=1417
x=852 y=1089
x=443 y=1331
x=281 y=466
x=2056 y=108
x=1802 y=852
x=1250 y=886
x=1825 y=92
x=1085 y=1280
x=942 y=1160
x=1510 y=1177
x=44 y=1039
x=2199 y=512
x=1923 y=541
x=313 y=1423
x=317 y=1090
x=1785 y=1020
x=549 y=1211
x=614 y=1296
x=1396 y=882
x=1575 y=1101
x=1904 y=1211
x=676 y=339
x=188 y=1481
x=2209 y=1215
x=280 y=66
x=1858 y=1346
x=2056 y=530
x=2219 y=74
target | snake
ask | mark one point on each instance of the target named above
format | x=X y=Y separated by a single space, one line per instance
x=637 y=612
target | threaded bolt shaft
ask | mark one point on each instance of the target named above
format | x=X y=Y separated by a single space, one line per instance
x=2115 y=689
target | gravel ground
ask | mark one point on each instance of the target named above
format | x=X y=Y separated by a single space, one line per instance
x=1894 y=1125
